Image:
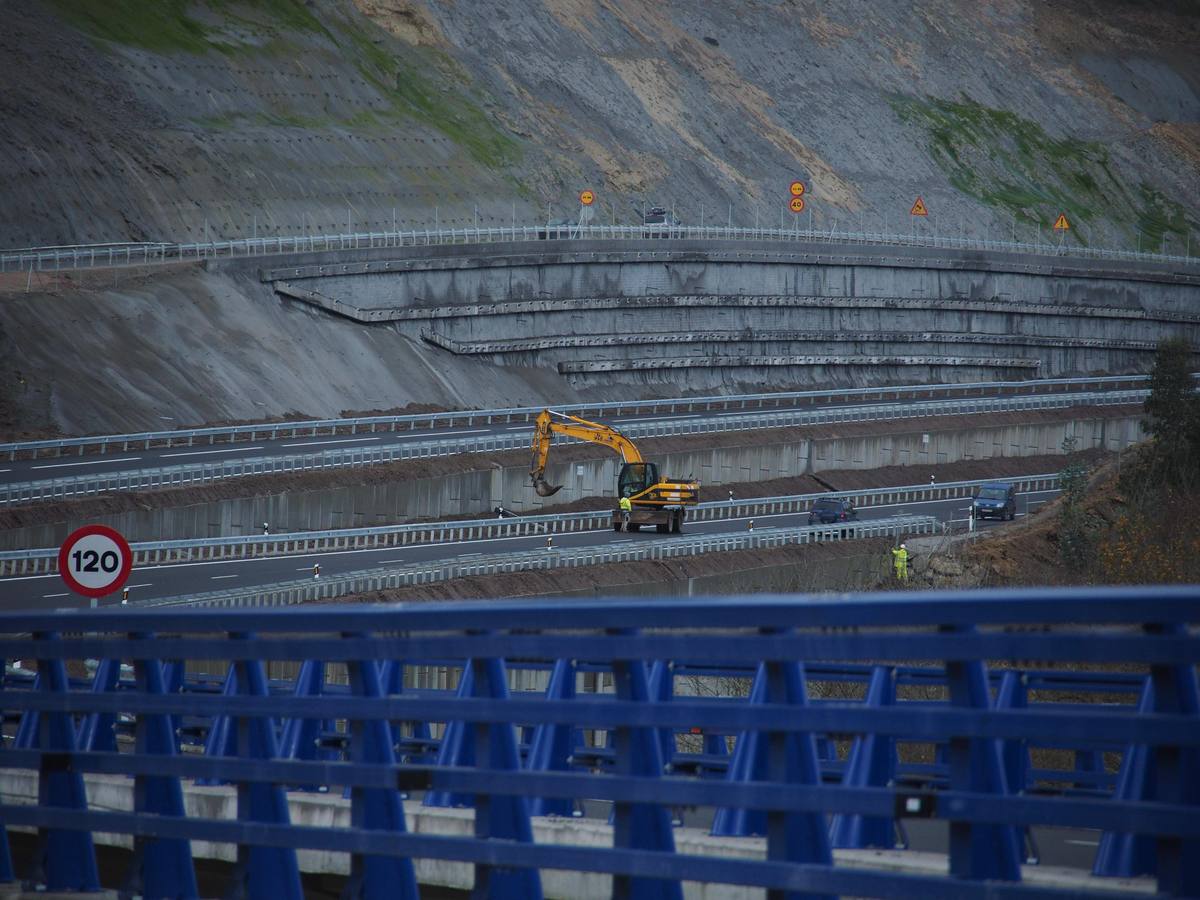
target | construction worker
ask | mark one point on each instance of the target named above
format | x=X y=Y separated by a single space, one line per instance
x=626 y=511
x=900 y=561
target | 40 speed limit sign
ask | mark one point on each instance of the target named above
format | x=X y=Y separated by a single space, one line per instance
x=95 y=560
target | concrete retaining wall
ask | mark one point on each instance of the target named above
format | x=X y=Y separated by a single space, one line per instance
x=480 y=492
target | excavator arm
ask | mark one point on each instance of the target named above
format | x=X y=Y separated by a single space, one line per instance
x=550 y=423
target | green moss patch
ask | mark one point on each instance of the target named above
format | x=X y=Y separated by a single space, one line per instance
x=173 y=26
x=1010 y=163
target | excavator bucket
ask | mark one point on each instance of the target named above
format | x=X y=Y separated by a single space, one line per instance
x=545 y=488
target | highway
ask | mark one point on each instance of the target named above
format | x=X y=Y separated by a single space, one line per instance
x=177 y=580
x=134 y=454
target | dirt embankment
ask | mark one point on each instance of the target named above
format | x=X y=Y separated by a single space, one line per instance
x=808 y=568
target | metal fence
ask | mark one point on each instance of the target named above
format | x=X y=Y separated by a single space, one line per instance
x=79 y=789
x=90 y=256
x=382 y=578
x=189 y=437
x=200 y=473
x=145 y=553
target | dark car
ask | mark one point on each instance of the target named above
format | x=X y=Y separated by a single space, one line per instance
x=658 y=221
x=829 y=510
x=995 y=501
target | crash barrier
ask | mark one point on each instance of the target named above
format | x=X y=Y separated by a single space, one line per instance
x=45 y=560
x=190 y=437
x=1148 y=827
x=86 y=256
x=201 y=473
x=327 y=587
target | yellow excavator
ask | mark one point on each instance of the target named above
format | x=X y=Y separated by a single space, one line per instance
x=653 y=500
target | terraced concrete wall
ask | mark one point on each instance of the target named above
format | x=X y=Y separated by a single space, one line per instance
x=480 y=492
x=590 y=309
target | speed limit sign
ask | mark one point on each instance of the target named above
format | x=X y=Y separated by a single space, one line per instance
x=95 y=560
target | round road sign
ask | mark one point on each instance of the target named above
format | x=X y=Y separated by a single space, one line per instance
x=95 y=560
x=797 y=188
x=797 y=204
x=586 y=198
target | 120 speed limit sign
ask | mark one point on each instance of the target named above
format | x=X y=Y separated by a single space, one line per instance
x=95 y=561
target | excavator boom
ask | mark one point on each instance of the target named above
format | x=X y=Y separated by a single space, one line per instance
x=550 y=423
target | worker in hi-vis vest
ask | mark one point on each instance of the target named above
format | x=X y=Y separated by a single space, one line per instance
x=900 y=561
x=626 y=509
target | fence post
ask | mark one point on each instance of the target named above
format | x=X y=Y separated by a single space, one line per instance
x=96 y=733
x=372 y=808
x=871 y=763
x=639 y=826
x=65 y=860
x=162 y=867
x=553 y=742
x=261 y=871
x=978 y=851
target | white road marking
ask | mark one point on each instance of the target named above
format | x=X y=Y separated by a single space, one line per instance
x=438 y=434
x=353 y=440
x=218 y=577
x=92 y=463
x=5 y=470
x=1079 y=843
x=55 y=595
x=145 y=584
x=202 y=452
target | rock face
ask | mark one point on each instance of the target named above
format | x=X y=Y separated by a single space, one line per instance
x=197 y=120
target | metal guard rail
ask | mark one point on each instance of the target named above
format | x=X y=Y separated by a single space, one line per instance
x=308 y=590
x=45 y=560
x=187 y=437
x=90 y=256
x=523 y=856
x=198 y=473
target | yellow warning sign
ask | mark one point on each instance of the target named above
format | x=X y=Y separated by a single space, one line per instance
x=586 y=198
x=919 y=208
x=796 y=205
x=1061 y=223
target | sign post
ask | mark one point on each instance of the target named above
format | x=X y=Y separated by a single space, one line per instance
x=586 y=198
x=95 y=561
x=1062 y=226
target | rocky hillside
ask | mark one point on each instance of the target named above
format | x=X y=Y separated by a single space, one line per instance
x=177 y=119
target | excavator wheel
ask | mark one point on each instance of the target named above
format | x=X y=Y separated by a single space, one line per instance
x=663 y=529
x=634 y=527
x=677 y=523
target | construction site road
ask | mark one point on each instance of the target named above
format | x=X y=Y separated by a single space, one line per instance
x=154 y=582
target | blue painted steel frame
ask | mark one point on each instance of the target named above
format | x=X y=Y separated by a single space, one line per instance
x=984 y=736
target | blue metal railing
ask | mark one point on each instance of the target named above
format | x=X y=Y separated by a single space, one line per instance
x=981 y=727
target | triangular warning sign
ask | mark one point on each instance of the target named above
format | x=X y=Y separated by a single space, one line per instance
x=919 y=208
x=1061 y=223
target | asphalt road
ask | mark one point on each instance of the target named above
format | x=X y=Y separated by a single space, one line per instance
x=48 y=467
x=149 y=582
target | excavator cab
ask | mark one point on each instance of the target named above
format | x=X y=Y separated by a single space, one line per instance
x=636 y=477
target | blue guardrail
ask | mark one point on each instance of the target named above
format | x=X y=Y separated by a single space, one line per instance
x=786 y=727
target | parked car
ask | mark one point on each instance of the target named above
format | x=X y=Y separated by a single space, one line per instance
x=829 y=510
x=996 y=501
x=658 y=221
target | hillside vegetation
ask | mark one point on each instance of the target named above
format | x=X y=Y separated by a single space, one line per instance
x=200 y=118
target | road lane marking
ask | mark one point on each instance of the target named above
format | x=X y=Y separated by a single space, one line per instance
x=218 y=577
x=202 y=452
x=56 y=595
x=92 y=463
x=1080 y=843
x=144 y=584
x=700 y=525
x=5 y=470
x=352 y=440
